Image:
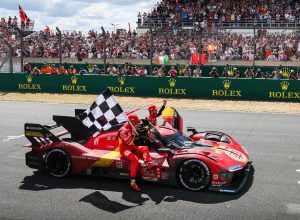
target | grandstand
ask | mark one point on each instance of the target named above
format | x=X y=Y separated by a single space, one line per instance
x=222 y=30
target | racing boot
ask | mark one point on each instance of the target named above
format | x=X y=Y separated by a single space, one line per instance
x=134 y=186
x=150 y=165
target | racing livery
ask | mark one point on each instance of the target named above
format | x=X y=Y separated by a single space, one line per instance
x=196 y=161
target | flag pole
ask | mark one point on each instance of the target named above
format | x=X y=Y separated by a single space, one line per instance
x=128 y=113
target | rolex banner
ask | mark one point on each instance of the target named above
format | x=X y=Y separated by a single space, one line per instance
x=165 y=87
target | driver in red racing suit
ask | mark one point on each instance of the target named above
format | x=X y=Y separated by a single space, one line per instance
x=153 y=114
x=130 y=151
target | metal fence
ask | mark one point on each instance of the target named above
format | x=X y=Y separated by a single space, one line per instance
x=157 y=42
x=234 y=24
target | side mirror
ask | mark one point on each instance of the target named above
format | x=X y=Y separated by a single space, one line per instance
x=165 y=150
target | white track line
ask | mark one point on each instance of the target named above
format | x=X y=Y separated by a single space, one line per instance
x=13 y=137
x=297 y=170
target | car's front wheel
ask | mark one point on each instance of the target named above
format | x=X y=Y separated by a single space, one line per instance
x=194 y=174
x=58 y=163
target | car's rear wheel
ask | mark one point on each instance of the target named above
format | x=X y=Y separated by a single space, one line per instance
x=194 y=174
x=58 y=163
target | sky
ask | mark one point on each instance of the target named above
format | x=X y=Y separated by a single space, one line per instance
x=83 y=15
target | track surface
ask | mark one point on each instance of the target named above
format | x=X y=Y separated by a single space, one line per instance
x=272 y=141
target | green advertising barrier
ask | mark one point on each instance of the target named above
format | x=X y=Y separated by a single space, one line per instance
x=180 y=87
x=205 y=69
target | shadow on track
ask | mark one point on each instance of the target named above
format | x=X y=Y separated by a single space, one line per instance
x=155 y=192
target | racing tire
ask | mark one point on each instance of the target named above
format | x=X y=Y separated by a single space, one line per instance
x=194 y=175
x=58 y=163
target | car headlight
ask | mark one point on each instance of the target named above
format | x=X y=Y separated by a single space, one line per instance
x=225 y=175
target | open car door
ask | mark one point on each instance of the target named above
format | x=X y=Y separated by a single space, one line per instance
x=171 y=116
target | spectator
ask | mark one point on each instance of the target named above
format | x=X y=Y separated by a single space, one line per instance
x=259 y=73
x=72 y=70
x=214 y=73
x=172 y=72
x=293 y=75
x=83 y=71
x=249 y=73
x=142 y=71
x=236 y=73
x=162 y=71
x=46 y=69
x=298 y=73
x=111 y=70
x=95 y=70
x=155 y=71
x=27 y=68
x=187 y=71
x=277 y=73
x=54 y=69
x=36 y=71
x=62 y=70
x=197 y=72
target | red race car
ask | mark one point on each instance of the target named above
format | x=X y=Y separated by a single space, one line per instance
x=199 y=161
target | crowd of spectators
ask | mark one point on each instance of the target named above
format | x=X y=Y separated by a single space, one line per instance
x=179 y=46
x=128 y=69
x=170 y=13
x=251 y=73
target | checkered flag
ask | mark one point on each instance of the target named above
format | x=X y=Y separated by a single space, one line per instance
x=104 y=113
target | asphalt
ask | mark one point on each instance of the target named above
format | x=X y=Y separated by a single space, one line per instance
x=272 y=192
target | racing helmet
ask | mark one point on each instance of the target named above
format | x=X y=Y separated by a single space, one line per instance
x=152 y=108
x=134 y=118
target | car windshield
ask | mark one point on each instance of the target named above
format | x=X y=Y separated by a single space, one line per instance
x=179 y=141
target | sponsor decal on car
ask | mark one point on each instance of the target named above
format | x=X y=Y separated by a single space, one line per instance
x=107 y=159
x=119 y=165
x=218 y=183
x=110 y=147
x=83 y=157
x=33 y=134
x=236 y=155
x=34 y=128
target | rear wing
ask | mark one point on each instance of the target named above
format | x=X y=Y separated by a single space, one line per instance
x=40 y=135
x=79 y=112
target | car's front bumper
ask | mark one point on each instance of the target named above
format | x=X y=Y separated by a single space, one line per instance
x=238 y=181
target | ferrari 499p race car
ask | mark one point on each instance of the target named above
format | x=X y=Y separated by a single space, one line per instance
x=201 y=160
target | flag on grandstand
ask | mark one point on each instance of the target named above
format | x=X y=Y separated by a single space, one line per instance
x=24 y=18
x=161 y=60
x=47 y=29
x=197 y=59
x=104 y=113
